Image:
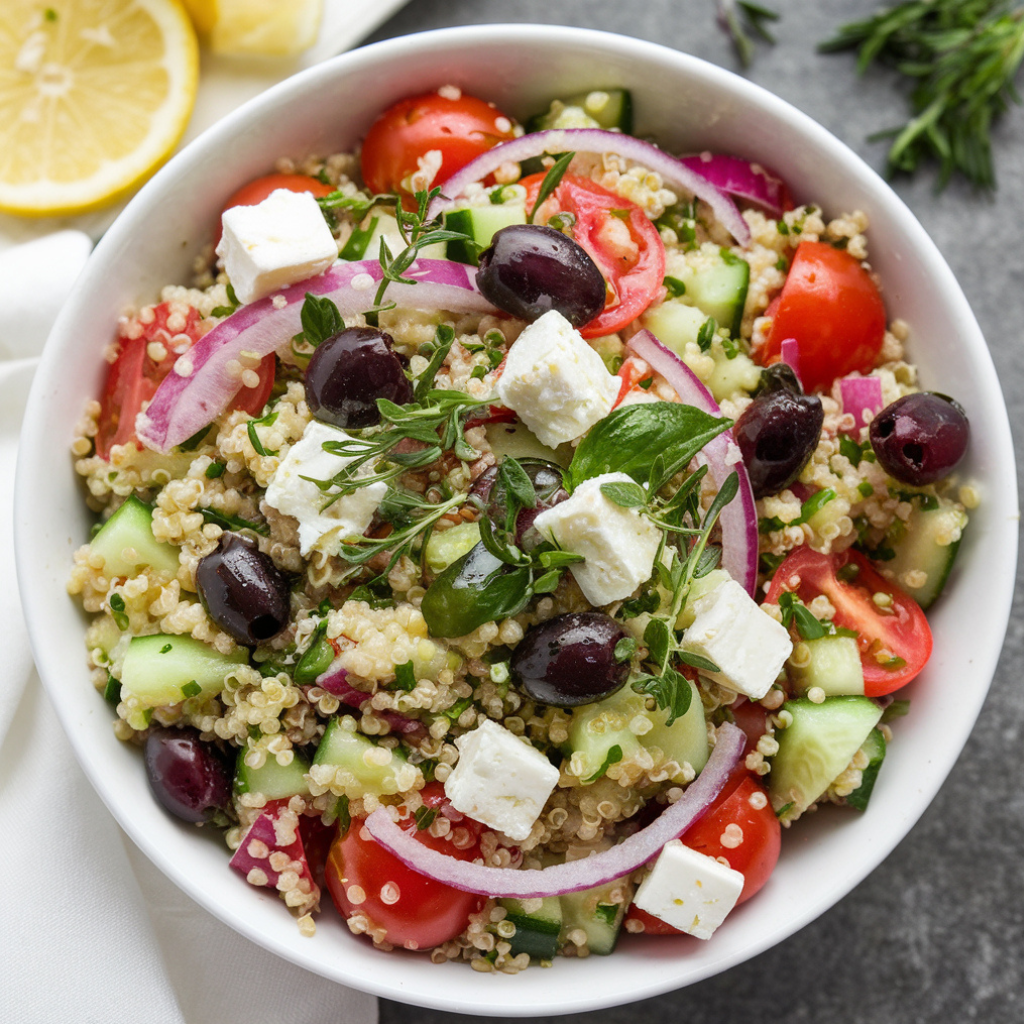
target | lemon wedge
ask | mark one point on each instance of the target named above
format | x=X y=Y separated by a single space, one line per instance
x=94 y=95
x=264 y=28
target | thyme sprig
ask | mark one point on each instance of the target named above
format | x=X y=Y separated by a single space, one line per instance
x=962 y=57
x=417 y=232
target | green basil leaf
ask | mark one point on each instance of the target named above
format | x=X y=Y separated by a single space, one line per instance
x=631 y=439
x=320 y=319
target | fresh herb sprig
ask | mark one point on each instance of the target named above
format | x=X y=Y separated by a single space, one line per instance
x=962 y=57
x=743 y=19
x=684 y=556
x=417 y=232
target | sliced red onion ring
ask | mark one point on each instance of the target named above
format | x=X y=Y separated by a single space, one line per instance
x=572 y=876
x=861 y=396
x=742 y=179
x=789 y=353
x=335 y=681
x=200 y=386
x=739 y=517
x=673 y=173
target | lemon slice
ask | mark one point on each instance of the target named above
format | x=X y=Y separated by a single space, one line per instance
x=94 y=95
x=266 y=28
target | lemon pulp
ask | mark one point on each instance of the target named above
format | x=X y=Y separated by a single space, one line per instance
x=94 y=95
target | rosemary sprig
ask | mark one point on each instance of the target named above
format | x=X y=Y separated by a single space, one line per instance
x=743 y=19
x=962 y=57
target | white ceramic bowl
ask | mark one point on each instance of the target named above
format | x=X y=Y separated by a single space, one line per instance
x=687 y=105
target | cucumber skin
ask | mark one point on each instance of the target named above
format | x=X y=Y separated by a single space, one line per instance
x=155 y=676
x=538 y=933
x=132 y=526
x=830 y=733
x=874 y=746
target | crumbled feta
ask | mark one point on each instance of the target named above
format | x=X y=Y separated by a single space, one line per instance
x=319 y=527
x=689 y=890
x=746 y=643
x=500 y=780
x=555 y=382
x=618 y=544
x=275 y=243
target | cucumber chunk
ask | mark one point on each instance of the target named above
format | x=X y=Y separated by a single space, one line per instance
x=537 y=932
x=594 y=911
x=450 y=545
x=834 y=666
x=718 y=288
x=343 y=747
x=924 y=544
x=874 y=748
x=686 y=739
x=598 y=728
x=126 y=542
x=675 y=324
x=274 y=781
x=816 y=747
x=597 y=108
x=163 y=669
x=517 y=441
x=480 y=223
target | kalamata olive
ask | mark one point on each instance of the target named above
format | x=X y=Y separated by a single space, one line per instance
x=777 y=434
x=243 y=591
x=570 y=659
x=189 y=777
x=530 y=269
x=548 y=485
x=920 y=438
x=349 y=372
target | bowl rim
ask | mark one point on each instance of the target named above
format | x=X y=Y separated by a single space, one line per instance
x=33 y=445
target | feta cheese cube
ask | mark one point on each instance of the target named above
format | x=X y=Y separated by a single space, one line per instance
x=618 y=544
x=555 y=382
x=500 y=780
x=275 y=243
x=689 y=890
x=746 y=643
x=319 y=527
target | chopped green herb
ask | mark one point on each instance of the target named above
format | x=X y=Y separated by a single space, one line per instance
x=112 y=691
x=192 y=689
x=424 y=817
x=231 y=522
x=193 y=442
x=214 y=470
x=613 y=757
x=625 y=649
x=117 y=611
x=166 y=648
x=405 y=677
x=550 y=183
x=744 y=19
x=321 y=320
x=706 y=334
x=674 y=286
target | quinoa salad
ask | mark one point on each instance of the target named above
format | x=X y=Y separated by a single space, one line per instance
x=511 y=530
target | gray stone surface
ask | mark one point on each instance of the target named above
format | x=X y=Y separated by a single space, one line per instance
x=935 y=934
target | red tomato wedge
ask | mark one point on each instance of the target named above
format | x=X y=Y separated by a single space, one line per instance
x=414 y=911
x=893 y=635
x=618 y=237
x=457 y=127
x=742 y=828
x=832 y=309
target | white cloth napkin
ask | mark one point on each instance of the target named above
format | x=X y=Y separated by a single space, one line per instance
x=91 y=931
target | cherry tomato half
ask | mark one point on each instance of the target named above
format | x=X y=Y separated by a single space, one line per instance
x=893 y=635
x=415 y=912
x=460 y=129
x=741 y=827
x=831 y=307
x=617 y=236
